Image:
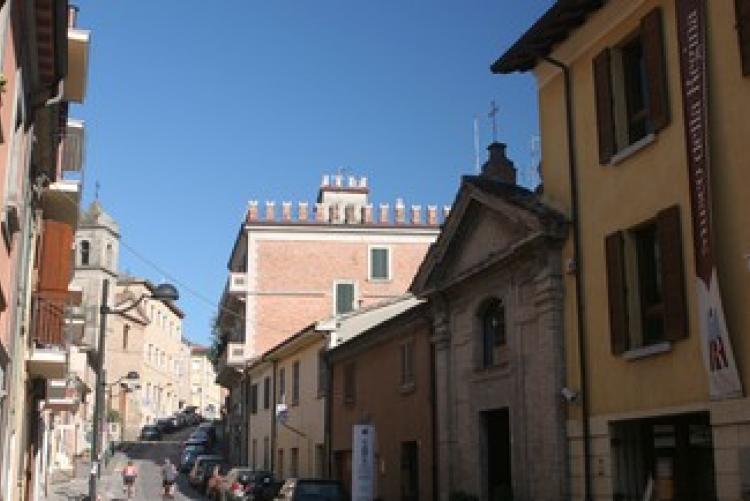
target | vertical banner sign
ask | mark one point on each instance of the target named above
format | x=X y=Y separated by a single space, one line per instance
x=724 y=382
x=363 y=463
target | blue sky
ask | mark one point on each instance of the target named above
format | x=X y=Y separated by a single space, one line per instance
x=192 y=111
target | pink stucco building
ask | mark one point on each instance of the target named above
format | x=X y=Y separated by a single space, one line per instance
x=294 y=264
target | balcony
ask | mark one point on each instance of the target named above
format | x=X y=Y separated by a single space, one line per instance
x=63 y=394
x=80 y=322
x=238 y=284
x=231 y=364
x=48 y=356
x=79 y=42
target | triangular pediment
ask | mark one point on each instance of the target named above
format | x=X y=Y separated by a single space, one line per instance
x=486 y=222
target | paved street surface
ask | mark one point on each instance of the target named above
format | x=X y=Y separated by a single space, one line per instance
x=148 y=458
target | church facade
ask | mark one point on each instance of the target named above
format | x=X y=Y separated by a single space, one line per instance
x=493 y=281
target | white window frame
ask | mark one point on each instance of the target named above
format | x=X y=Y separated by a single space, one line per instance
x=388 y=249
x=355 y=301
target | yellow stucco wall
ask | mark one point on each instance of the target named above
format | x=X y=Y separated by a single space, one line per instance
x=619 y=196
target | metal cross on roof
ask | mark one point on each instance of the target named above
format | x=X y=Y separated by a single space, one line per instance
x=493 y=115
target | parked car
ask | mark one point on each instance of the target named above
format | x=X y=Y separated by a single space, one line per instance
x=309 y=489
x=150 y=432
x=164 y=425
x=233 y=486
x=189 y=454
x=202 y=463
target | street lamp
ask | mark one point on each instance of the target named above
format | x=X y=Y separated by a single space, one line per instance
x=163 y=292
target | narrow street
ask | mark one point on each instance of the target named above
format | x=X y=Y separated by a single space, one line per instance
x=148 y=458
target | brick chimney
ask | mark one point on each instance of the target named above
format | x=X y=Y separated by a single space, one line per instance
x=286 y=211
x=270 y=211
x=367 y=214
x=432 y=216
x=498 y=166
x=416 y=214
x=303 y=214
x=446 y=211
x=400 y=210
x=384 y=209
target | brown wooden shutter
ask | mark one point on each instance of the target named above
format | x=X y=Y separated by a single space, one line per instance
x=618 y=306
x=742 y=8
x=652 y=37
x=605 y=123
x=672 y=274
x=55 y=260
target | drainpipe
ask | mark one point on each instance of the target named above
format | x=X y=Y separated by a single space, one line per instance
x=433 y=418
x=272 y=452
x=328 y=419
x=580 y=307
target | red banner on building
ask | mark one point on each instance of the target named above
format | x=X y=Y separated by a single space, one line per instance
x=724 y=381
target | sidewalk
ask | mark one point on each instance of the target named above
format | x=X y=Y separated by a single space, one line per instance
x=76 y=488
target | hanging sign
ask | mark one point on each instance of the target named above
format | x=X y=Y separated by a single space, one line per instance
x=363 y=463
x=718 y=358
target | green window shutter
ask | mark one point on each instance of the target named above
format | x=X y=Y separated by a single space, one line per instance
x=379 y=263
x=672 y=274
x=605 y=120
x=344 y=298
x=742 y=8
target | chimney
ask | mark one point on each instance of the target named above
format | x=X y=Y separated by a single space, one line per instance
x=384 y=209
x=498 y=166
x=303 y=212
x=320 y=213
x=349 y=214
x=270 y=211
x=286 y=211
x=446 y=211
x=339 y=180
x=416 y=214
x=400 y=210
x=432 y=217
x=252 y=210
x=366 y=214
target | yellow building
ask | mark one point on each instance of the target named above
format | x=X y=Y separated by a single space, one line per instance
x=205 y=394
x=660 y=405
x=147 y=340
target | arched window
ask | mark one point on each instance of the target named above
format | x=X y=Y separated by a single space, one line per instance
x=85 y=252
x=493 y=334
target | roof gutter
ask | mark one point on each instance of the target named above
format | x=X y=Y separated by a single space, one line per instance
x=578 y=257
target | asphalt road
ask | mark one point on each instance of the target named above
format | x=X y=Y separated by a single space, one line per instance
x=148 y=458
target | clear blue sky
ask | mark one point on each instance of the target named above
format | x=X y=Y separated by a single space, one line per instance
x=194 y=108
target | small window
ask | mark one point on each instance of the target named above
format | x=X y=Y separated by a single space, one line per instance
x=266 y=392
x=266 y=453
x=254 y=399
x=344 y=300
x=282 y=385
x=85 y=252
x=280 y=464
x=295 y=383
x=380 y=268
x=493 y=333
x=108 y=259
x=350 y=383
x=407 y=363
x=255 y=454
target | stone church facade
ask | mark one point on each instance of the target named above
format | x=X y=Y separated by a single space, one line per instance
x=494 y=283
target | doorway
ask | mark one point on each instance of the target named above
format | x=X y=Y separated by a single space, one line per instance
x=409 y=471
x=495 y=426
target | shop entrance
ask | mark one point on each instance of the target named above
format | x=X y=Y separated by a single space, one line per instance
x=672 y=456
